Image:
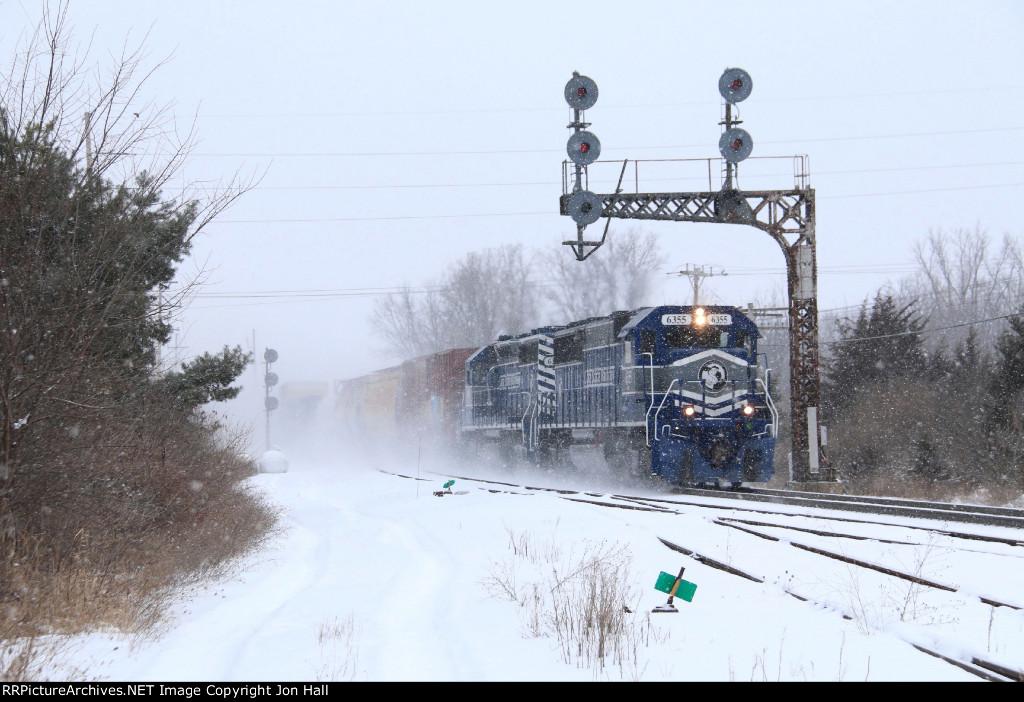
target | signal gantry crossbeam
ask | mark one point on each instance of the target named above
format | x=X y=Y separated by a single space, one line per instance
x=781 y=213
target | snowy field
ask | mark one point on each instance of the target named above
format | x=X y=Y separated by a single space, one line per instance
x=373 y=578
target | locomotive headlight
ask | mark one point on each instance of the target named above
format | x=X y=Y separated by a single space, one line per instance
x=689 y=411
x=698 y=317
x=748 y=410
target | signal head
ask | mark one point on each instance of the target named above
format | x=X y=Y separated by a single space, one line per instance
x=584 y=207
x=580 y=92
x=735 y=145
x=735 y=85
x=583 y=148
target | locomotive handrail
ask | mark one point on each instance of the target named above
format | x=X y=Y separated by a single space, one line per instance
x=487 y=382
x=652 y=375
x=646 y=427
x=529 y=402
x=771 y=408
x=667 y=393
x=534 y=429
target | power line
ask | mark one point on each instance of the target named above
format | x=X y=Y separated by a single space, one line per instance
x=922 y=331
x=549 y=212
x=936 y=294
x=555 y=183
x=325 y=294
x=498 y=110
x=377 y=219
x=493 y=152
x=920 y=168
x=288 y=296
x=918 y=192
x=834 y=270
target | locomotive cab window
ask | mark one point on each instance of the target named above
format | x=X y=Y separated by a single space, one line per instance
x=684 y=337
x=647 y=340
x=744 y=340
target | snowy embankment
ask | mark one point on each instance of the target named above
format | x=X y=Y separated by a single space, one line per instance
x=374 y=578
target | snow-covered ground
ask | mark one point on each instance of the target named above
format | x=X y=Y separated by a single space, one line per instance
x=374 y=578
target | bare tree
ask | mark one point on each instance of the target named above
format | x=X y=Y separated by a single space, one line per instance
x=617 y=277
x=962 y=278
x=483 y=295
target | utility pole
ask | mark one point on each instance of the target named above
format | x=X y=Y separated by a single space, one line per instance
x=697 y=274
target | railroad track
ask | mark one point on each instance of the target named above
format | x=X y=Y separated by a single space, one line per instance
x=888 y=506
x=758 y=501
x=1007 y=517
x=752 y=527
x=980 y=667
x=1009 y=539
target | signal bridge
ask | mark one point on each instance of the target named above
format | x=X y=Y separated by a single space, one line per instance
x=787 y=216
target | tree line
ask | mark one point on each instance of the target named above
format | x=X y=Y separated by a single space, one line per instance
x=923 y=390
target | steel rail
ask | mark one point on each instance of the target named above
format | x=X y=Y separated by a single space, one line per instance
x=986 y=670
x=1005 y=517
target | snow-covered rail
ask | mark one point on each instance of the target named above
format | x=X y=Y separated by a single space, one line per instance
x=982 y=668
x=895 y=507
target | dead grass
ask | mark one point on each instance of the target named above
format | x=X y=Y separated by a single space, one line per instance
x=97 y=533
x=339 y=650
x=584 y=597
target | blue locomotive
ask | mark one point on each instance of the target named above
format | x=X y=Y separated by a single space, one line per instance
x=673 y=391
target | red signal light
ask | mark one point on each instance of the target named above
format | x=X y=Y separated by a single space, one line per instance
x=581 y=91
x=737 y=84
x=584 y=147
x=736 y=145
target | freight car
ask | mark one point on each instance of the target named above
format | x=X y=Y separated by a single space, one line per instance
x=420 y=399
x=673 y=391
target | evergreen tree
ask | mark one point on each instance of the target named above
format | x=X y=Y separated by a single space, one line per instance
x=87 y=240
x=1008 y=381
x=81 y=263
x=207 y=378
x=881 y=344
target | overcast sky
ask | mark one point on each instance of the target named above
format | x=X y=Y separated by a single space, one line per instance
x=398 y=136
